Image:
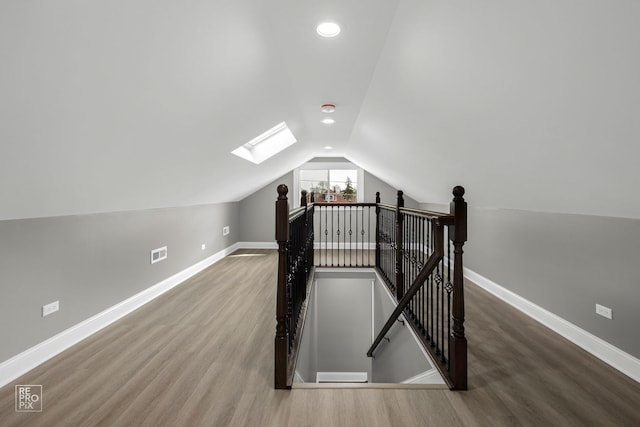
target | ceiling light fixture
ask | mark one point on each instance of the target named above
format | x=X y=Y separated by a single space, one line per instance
x=328 y=29
x=328 y=108
x=328 y=147
x=328 y=121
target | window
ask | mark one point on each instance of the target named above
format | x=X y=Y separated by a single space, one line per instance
x=330 y=182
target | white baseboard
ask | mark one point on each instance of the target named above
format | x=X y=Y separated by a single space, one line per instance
x=341 y=377
x=40 y=353
x=258 y=245
x=431 y=376
x=345 y=245
x=624 y=362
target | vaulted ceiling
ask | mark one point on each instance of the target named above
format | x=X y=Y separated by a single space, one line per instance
x=120 y=105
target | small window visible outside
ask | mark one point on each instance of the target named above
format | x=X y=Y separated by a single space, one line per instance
x=330 y=185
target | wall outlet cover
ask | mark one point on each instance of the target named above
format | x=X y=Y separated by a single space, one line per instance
x=604 y=311
x=50 y=308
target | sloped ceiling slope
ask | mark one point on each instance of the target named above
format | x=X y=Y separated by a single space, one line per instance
x=529 y=105
x=121 y=105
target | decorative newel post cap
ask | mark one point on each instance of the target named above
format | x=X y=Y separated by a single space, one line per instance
x=282 y=190
x=458 y=191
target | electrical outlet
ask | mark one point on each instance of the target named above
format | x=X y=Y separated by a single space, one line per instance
x=203 y=247
x=604 y=311
x=225 y=230
x=50 y=308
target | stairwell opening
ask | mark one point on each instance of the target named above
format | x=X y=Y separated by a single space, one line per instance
x=346 y=310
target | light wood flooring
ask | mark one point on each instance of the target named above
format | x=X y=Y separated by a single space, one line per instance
x=202 y=355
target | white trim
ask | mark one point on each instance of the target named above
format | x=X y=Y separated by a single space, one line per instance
x=257 y=245
x=341 y=377
x=624 y=362
x=371 y=246
x=432 y=376
x=40 y=353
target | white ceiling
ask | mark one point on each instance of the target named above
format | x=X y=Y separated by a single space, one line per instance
x=119 y=105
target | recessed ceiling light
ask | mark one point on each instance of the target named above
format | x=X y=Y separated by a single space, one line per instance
x=328 y=147
x=328 y=108
x=328 y=121
x=328 y=29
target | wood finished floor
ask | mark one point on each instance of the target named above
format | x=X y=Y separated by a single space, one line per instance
x=202 y=355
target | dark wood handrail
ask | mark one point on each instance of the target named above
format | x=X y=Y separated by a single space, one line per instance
x=432 y=262
x=447 y=218
x=343 y=204
x=296 y=213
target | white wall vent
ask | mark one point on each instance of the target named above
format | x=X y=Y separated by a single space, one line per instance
x=158 y=255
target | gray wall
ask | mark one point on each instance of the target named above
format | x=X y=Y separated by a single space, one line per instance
x=257 y=211
x=337 y=330
x=307 y=362
x=564 y=263
x=91 y=262
x=343 y=324
x=401 y=358
x=388 y=194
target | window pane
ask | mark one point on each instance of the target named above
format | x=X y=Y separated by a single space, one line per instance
x=345 y=184
x=316 y=181
x=334 y=185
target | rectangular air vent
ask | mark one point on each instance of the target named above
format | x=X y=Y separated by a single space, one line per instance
x=158 y=254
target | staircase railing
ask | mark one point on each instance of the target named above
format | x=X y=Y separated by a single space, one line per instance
x=410 y=252
x=294 y=234
x=345 y=234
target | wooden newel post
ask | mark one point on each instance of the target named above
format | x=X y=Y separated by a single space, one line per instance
x=303 y=198
x=282 y=334
x=399 y=247
x=457 y=340
x=377 y=229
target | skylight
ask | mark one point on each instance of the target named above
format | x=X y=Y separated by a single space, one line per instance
x=267 y=144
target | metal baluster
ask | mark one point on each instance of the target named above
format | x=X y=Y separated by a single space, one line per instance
x=438 y=311
x=441 y=330
x=368 y=238
x=350 y=235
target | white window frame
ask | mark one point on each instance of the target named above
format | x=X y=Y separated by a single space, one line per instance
x=325 y=165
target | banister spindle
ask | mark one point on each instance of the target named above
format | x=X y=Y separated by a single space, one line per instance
x=282 y=333
x=377 y=261
x=457 y=339
x=303 y=203
x=399 y=248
